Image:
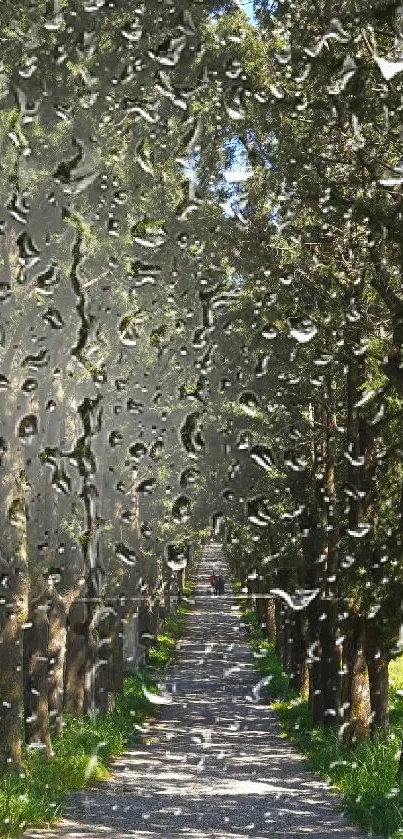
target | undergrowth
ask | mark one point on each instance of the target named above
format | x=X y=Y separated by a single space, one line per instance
x=83 y=753
x=365 y=774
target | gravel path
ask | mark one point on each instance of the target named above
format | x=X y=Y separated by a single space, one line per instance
x=213 y=766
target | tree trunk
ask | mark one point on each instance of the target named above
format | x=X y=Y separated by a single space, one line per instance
x=180 y=580
x=298 y=651
x=279 y=617
x=379 y=693
x=167 y=595
x=57 y=657
x=129 y=642
x=109 y=663
x=13 y=611
x=331 y=652
x=146 y=623
x=103 y=700
x=270 y=620
x=287 y=643
x=14 y=574
x=79 y=659
x=11 y=684
x=358 y=727
x=35 y=658
x=331 y=663
x=117 y=653
x=11 y=693
x=305 y=680
x=377 y=661
x=260 y=602
x=316 y=702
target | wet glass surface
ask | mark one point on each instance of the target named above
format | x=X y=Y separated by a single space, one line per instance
x=201 y=336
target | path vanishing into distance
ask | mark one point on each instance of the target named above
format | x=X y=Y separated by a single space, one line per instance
x=213 y=765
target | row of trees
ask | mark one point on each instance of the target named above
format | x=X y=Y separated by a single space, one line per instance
x=108 y=266
x=319 y=340
x=201 y=320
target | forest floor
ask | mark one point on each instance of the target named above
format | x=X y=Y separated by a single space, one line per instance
x=214 y=763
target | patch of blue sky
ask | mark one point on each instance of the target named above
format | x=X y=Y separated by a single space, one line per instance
x=247 y=6
x=235 y=176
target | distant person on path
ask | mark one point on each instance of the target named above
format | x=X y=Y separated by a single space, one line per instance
x=221 y=584
x=213 y=580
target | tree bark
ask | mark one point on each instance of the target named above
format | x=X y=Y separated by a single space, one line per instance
x=331 y=652
x=305 y=680
x=260 y=602
x=298 y=651
x=11 y=693
x=11 y=666
x=109 y=658
x=57 y=655
x=279 y=617
x=331 y=663
x=130 y=641
x=103 y=700
x=316 y=701
x=379 y=693
x=35 y=658
x=79 y=658
x=287 y=643
x=146 y=623
x=167 y=594
x=117 y=671
x=377 y=661
x=270 y=620
x=13 y=614
x=358 y=727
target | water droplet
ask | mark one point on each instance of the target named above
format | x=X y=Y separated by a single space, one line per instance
x=28 y=427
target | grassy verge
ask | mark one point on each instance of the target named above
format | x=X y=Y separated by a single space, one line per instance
x=83 y=754
x=277 y=683
x=162 y=651
x=364 y=775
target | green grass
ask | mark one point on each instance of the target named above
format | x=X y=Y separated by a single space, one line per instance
x=364 y=775
x=396 y=674
x=83 y=754
x=161 y=653
x=266 y=661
